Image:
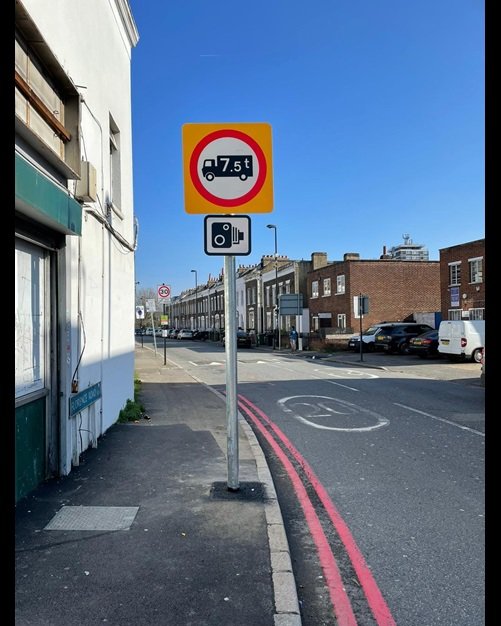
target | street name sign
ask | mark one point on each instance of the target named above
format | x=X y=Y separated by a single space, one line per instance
x=227 y=168
x=85 y=398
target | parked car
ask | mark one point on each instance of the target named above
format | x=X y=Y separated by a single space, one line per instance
x=395 y=337
x=424 y=345
x=201 y=335
x=462 y=339
x=368 y=339
x=185 y=333
x=173 y=333
x=243 y=339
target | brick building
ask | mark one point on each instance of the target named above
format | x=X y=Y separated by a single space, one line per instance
x=397 y=291
x=462 y=281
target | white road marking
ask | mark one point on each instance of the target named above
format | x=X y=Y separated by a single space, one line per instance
x=349 y=373
x=331 y=382
x=441 y=419
x=312 y=406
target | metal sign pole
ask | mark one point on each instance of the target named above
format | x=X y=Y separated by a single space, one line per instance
x=361 y=316
x=154 y=335
x=230 y=344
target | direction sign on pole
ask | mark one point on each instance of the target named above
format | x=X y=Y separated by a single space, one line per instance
x=290 y=304
x=227 y=168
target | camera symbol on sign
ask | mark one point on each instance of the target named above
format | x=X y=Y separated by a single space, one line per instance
x=224 y=235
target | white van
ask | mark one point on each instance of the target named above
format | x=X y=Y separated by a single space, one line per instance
x=463 y=339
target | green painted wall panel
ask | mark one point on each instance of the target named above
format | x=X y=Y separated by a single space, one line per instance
x=30 y=447
x=37 y=191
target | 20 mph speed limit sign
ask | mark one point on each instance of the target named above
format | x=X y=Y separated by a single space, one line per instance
x=227 y=168
x=163 y=292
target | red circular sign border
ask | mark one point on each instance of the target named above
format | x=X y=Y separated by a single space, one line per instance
x=163 y=287
x=235 y=134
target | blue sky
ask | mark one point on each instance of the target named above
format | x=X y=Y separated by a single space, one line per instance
x=377 y=117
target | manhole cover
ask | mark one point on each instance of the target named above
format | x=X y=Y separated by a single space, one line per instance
x=93 y=518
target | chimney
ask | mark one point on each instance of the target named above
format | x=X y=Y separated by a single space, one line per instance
x=385 y=255
x=351 y=256
x=318 y=259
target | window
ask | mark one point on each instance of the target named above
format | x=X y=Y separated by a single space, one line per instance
x=253 y=296
x=314 y=289
x=475 y=267
x=341 y=321
x=268 y=296
x=340 y=284
x=327 y=286
x=477 y=314
x=269 y=323
x=287 y=286
x=115 y=170
x=31 y=305
x=454 y=314
x=455 y=273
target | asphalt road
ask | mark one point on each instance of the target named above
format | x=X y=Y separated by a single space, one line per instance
x=398 y=445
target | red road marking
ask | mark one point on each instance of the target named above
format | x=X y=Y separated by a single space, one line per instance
x=377 y=604
x=339 y=598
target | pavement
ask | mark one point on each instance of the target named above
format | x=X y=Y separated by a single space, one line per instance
x=144 y=531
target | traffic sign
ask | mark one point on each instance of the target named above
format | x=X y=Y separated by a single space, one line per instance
x=290 y=304
x=227 y=234
x=163 y=292
x=140 y=312
x=227 y=168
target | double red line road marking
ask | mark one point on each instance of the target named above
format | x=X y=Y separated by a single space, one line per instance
x=291 y=459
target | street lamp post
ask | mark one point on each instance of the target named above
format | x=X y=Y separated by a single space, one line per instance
x=276 y=288
x=196 y=299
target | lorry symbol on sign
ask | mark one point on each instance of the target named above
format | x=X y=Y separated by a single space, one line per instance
x=228 y=165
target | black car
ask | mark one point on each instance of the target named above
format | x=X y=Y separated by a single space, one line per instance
x=395 y=337
x=243 y=339
x=425 y=345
